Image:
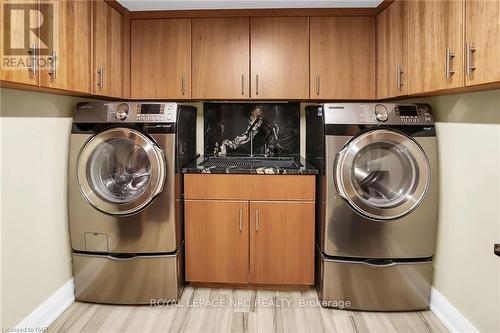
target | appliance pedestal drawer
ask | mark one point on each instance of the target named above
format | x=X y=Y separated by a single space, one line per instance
x=136 y=280
x=374 y=286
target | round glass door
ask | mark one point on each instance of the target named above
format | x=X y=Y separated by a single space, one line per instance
x=383 y=174
x=120 y=171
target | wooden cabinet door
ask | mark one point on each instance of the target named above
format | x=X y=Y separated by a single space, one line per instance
x=392 y=51
x=161 y=59
x=18 y=66
x=108 y=51
x=221 y=54
x=482 y=31
x=342 y=58
x=71 y=54
x=282 y=242
x=216 y=235
x=435 y=28
x=280 y=57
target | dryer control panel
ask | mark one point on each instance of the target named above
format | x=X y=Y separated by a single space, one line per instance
x=413 y=113
x=141 y=112
x=378 y=113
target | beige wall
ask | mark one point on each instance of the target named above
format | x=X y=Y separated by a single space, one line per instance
x=467 y=272
x=35 y=249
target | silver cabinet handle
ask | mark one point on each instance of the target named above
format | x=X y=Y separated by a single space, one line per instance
x=53 y=65
x=100 y=75
x=242 y=84
x=256 y=84
x=241 y=219
x=399 y=81
x=35 y=60
x=448 y=71
x=469 y=49
x=317 y=85
x=183 y=85
x=256 y=220
x=32 y=52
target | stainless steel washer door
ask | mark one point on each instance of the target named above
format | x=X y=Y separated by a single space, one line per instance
x=120 y=171
x=383 y=174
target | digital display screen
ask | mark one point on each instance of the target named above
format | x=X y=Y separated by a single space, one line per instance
x=408 y=111
x=151 y=109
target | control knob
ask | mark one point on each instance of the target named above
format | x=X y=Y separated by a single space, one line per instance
x=122 y=111
x=381 y=113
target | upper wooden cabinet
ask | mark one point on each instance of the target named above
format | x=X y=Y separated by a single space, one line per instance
x=161 y=59
x=435 y=36
x=71 y=40
x=13 y=27
x=482 y=37
x=342 y=58
x=392 y=51
x=280 y=57
x=221 y=52
x=108 y=55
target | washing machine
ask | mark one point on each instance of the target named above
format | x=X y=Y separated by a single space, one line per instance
x=125 y=199
x=377 y=203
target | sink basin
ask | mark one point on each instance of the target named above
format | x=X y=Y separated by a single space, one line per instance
x=251 y=162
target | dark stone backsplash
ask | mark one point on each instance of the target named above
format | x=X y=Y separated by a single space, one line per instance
x=230 y=128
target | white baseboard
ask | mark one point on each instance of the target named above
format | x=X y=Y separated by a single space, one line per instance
x=49 y=310
x=449 y=315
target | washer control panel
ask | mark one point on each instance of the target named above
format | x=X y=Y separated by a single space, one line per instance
x=413 y=113
x=141 y=112
x=378 y=113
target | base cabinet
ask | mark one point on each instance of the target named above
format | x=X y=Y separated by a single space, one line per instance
x=246 y=241
x=216 y=241
x=281 y=242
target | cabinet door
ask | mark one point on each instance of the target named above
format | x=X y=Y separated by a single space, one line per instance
x=280 y=57
x=282 y=242
x=17 y=66
x=71 y=53
x=482 y=32
x=161 y=59
x=342 y=58
x=392 y=51
x=435 y=30
x=221 y=52
x=216 y=235
x=108 y=50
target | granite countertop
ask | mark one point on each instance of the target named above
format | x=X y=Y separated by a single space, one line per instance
x=198 y=166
